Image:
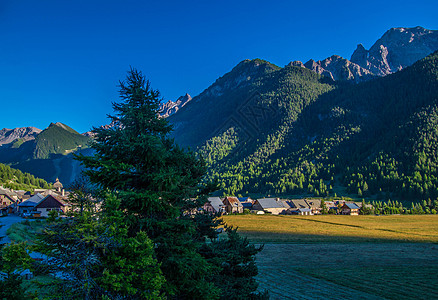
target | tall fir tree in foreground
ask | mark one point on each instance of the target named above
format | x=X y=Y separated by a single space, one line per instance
x=148 y=185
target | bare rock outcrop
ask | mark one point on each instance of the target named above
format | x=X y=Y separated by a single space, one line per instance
x=170 y=107
x=336 y=68
x=8 y=136
x=398 y=48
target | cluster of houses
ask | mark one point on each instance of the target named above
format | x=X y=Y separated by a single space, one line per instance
x=38 y=204
x=41 y=202
x=277 y=206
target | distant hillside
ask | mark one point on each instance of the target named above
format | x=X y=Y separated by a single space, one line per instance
x=58 y=138
x=205 y=115
x=48 y=154
x=17 y=180
x=291 y=131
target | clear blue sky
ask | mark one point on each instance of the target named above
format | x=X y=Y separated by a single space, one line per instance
x=61 y=60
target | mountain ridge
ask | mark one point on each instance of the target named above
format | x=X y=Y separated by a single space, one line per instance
x=8 y=136
x=271 y=130
x=46 y=153
x=398 y=48
x=308 y=125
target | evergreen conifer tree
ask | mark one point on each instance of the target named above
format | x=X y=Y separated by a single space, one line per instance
x=157 y=185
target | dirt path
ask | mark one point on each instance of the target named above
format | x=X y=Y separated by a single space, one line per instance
x=281 y=267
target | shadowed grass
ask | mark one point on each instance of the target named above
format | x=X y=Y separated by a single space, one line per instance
x=25 y=231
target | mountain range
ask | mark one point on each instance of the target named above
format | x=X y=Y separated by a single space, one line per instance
x=365 y=127
x=45 y=153
x=398 y=48
x=270 y=130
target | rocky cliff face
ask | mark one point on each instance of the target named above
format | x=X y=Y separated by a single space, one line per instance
x=91 y=134
x=397 y=49
x=337 y=68
x=169 y=108
x=8 y=136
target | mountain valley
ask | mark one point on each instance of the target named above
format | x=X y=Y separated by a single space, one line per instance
x=364 y=127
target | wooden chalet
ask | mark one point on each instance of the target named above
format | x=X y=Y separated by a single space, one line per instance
x=214 y=205
x=233 y=205
x=48 y=204
x=350 y=209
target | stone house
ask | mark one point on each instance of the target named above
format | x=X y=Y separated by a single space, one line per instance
x=314 y=205
x=48 y=204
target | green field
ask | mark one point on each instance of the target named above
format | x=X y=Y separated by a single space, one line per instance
x=345 y=257
x=336 y=228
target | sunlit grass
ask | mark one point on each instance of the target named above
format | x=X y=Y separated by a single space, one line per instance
x=336 y=228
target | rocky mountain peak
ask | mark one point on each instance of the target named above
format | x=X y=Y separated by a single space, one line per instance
x=296 y=63
x=8 y=136
x=360 y=56
x=397 y=49
x=336 y=68
x=170 y=107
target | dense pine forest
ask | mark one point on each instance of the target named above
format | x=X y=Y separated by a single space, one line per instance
x=299 y=133
x=17 y=180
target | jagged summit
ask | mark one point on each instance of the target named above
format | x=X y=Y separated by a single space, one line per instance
x=169 y=108
x=360 y=56
x=8 y=136
x=397 y=49
x=336 y=68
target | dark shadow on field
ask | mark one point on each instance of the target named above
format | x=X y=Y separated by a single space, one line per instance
x=349 y=270
x=296 y=238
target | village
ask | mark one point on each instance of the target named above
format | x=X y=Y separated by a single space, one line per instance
x=277 y=206
x=42 y=201
x=35 y=205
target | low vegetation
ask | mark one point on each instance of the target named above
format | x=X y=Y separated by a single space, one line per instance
x=25 y=231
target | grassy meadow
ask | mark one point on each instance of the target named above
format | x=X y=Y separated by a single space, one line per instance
x=336 y=228
x=344 y=257
x=330 y=256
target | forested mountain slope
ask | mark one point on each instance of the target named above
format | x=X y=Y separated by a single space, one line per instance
x=302 y=133
x=47 y=154
x=17 y=180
